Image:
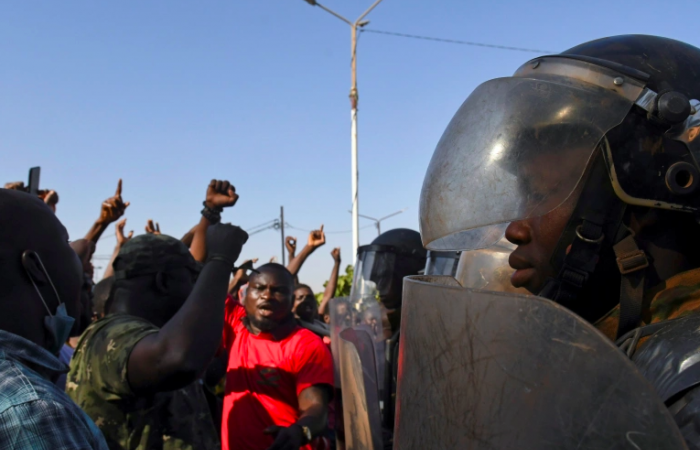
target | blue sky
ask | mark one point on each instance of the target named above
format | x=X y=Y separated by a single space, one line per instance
x=170 y=94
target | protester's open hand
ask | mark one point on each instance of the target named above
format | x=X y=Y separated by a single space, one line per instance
x=316 y=238
x=225 y=240
x=286 y=438
x=291 y=244
x=336 y=254
x=221 y=194
x=152 y=228
x=113 y=208
x=119 y=232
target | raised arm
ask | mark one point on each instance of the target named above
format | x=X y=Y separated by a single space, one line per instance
x=121 y=240
x=316 y=239
x=241 y=277
x=112 y=209
x=175 y=355
x=214 y=204
x=188 y=237
x=332 y=283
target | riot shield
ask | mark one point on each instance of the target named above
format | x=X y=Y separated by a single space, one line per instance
x=361 y=315
x=487 y=268
x=493 y=370
x=358 y=374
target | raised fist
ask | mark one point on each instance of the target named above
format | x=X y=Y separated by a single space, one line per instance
x=113 y=208
x=225 y=240
x=335 y=253
x=221 y=194
x=291 y=244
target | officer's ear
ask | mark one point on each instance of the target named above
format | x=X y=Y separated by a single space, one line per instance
x=32 y=265
x=162 y=283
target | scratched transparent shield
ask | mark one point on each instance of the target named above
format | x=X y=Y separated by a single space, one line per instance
x=487 y=269
x=342 y=316
x=494 y=370
x=360 y=390
x=361 y=315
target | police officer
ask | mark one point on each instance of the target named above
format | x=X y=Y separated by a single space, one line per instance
x=376 y=297
x=589 y=162
x=381 y=268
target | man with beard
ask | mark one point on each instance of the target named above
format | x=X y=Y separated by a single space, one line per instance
x=279 y=376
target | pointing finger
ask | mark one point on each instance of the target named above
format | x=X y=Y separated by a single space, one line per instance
x=119 y=188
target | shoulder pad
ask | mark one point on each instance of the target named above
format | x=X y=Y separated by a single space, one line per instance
x=670 y=358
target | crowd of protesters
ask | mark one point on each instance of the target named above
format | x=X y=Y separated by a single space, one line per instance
x=178 y=346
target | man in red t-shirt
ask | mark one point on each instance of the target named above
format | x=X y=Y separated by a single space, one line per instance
x=280 y=376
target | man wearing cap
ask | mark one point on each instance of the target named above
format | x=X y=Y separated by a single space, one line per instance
x=135 y=371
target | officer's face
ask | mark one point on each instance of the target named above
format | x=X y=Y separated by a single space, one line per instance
x=536 y=239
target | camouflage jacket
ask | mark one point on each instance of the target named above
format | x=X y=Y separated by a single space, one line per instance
x=98 y=383
x=676 y=297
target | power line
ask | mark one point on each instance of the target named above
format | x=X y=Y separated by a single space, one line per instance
x=288 y=225
x=262 y=224
x=262 y=229
x=455 y=41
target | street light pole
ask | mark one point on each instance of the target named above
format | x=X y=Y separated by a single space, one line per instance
x=354 y=99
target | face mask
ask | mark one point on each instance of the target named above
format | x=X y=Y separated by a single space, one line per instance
x=57 y=326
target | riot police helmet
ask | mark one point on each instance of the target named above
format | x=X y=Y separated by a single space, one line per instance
x=608 y=127
x=382 y=265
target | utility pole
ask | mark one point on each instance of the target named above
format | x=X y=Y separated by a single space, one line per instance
x=378 y=222
x=284 y=263
x=354 y=99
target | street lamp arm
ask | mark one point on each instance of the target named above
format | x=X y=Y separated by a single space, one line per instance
x=366 y=12
x=370 y=218
x=335 y=13
x=394 y=214
x=367 y=217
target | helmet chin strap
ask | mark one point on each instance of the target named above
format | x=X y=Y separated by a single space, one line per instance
x=597 y=221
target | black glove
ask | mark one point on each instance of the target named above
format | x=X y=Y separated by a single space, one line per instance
x=289 y=438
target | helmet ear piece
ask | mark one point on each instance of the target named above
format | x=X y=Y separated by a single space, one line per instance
x=672 y=107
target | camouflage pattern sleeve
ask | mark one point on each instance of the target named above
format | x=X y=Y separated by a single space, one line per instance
x=100 y=360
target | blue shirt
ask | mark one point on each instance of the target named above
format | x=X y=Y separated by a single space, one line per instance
x=34 y=413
